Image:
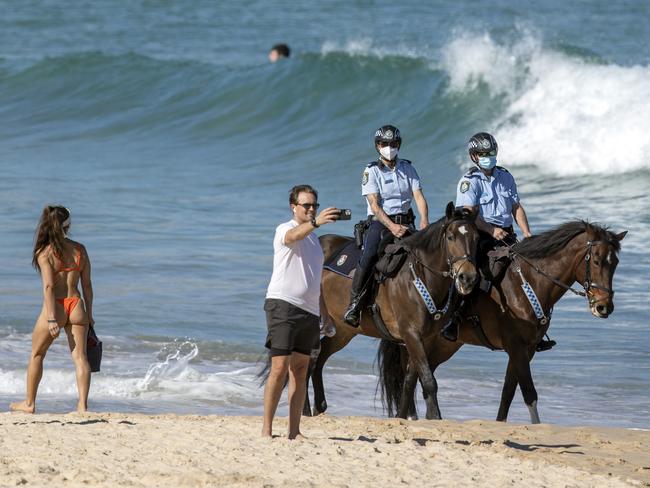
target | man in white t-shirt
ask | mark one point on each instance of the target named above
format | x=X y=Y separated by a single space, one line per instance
x=292 y=305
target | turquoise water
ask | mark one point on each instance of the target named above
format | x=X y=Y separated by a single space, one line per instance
x=174 y=142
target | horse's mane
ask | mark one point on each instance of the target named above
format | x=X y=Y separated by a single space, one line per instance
x=429 y=237
x=554 y=240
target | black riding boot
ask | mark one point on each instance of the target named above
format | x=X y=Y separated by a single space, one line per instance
x=545 y=344
x=450 y=330
x=353 y=312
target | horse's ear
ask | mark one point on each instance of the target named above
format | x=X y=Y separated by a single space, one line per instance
x=449 y=211
x=469 y=214
x=619 y=237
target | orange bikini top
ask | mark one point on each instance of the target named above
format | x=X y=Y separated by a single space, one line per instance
x=76 y=267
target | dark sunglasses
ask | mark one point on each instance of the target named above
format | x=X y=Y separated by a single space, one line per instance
x=484 y=154
x=386 y=143
x=308 y=206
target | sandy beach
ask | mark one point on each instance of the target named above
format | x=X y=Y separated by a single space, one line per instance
x=111 y=449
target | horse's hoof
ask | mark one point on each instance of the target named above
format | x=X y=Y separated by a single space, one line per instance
x=318 y=409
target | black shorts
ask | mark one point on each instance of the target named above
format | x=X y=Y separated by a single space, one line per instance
x=290 y=328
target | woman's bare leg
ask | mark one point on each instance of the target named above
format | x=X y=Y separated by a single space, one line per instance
x=41 y=341
x=77 y=340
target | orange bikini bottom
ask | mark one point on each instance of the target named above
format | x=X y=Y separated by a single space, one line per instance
x=68 y=304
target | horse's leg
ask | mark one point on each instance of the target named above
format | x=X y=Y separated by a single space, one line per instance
x=507 y=393
x=328 y=346
x=406 y=409
x=306 y=408
x=418 y=357
x=521 y=362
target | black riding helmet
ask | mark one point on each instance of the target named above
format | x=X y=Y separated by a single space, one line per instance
x=388 y=133
x=482 y=144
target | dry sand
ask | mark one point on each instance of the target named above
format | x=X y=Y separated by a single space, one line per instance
x=113 y=449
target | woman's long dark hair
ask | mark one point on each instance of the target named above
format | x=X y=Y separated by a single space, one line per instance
x=50 y=232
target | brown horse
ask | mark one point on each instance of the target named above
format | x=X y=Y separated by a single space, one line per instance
x=547 y=264
x=442 y=257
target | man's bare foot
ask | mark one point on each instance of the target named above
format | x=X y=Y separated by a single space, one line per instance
x=267 y=433
x=22 y=407
x=82 y=408
x=298 y=437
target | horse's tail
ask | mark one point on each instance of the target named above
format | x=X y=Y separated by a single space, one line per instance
x=391 y=375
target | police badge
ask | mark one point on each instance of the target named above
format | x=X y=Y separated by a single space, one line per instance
x=464 y=186
x=364 y=178
x=342 y=260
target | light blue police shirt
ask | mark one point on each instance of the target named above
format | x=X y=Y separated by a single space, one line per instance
x=495 y=195
x=394 y=187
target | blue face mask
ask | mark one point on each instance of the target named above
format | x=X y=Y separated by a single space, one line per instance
x=487 y=162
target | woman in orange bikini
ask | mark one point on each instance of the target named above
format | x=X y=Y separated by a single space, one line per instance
x=62 y=263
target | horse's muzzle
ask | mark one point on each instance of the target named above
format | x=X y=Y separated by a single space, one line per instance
x=466 y=279
x=602 y=309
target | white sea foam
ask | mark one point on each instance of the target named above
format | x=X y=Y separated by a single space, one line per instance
x=367 y=47
x=563 y=114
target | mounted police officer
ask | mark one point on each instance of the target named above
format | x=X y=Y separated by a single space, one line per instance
x=492 y=191
x=389 y=185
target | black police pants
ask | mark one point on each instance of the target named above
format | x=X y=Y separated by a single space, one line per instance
x=371 y=242
x=487 y=243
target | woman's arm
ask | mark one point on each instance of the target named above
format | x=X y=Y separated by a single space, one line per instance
x=87 y=286
x=47 y=276
x=423 y=208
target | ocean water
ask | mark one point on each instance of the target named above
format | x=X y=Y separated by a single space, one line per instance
x=174 y=142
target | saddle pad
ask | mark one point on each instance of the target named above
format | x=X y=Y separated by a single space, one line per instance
x=344 y=260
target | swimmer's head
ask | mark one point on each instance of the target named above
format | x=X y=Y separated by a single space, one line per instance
x=279 y=51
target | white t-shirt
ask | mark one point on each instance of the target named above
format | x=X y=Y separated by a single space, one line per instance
x=297 y=270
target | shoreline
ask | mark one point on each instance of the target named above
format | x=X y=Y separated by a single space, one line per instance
x=108 y=449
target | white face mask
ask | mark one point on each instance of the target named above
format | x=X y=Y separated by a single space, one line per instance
x=388 y=153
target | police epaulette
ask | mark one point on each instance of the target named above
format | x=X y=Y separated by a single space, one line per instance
x=372 y=163
x=502 y=168
x=471 y=171
x=406 y=161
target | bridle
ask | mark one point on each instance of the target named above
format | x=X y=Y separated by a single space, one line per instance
x=451 y=260
x=421 y=287
x=588 y=284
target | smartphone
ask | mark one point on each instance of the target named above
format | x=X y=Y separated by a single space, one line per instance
x=345 y=214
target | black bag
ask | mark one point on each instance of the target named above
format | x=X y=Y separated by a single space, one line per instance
x=391 y=262
x=94 y=350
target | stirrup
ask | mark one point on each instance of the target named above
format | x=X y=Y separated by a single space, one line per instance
x=545 y=344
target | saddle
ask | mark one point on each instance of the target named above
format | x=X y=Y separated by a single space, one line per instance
x=391 y=257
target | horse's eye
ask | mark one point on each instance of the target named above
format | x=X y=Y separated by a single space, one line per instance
x=450 y=237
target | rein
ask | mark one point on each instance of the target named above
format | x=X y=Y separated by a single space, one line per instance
x=587 y=285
